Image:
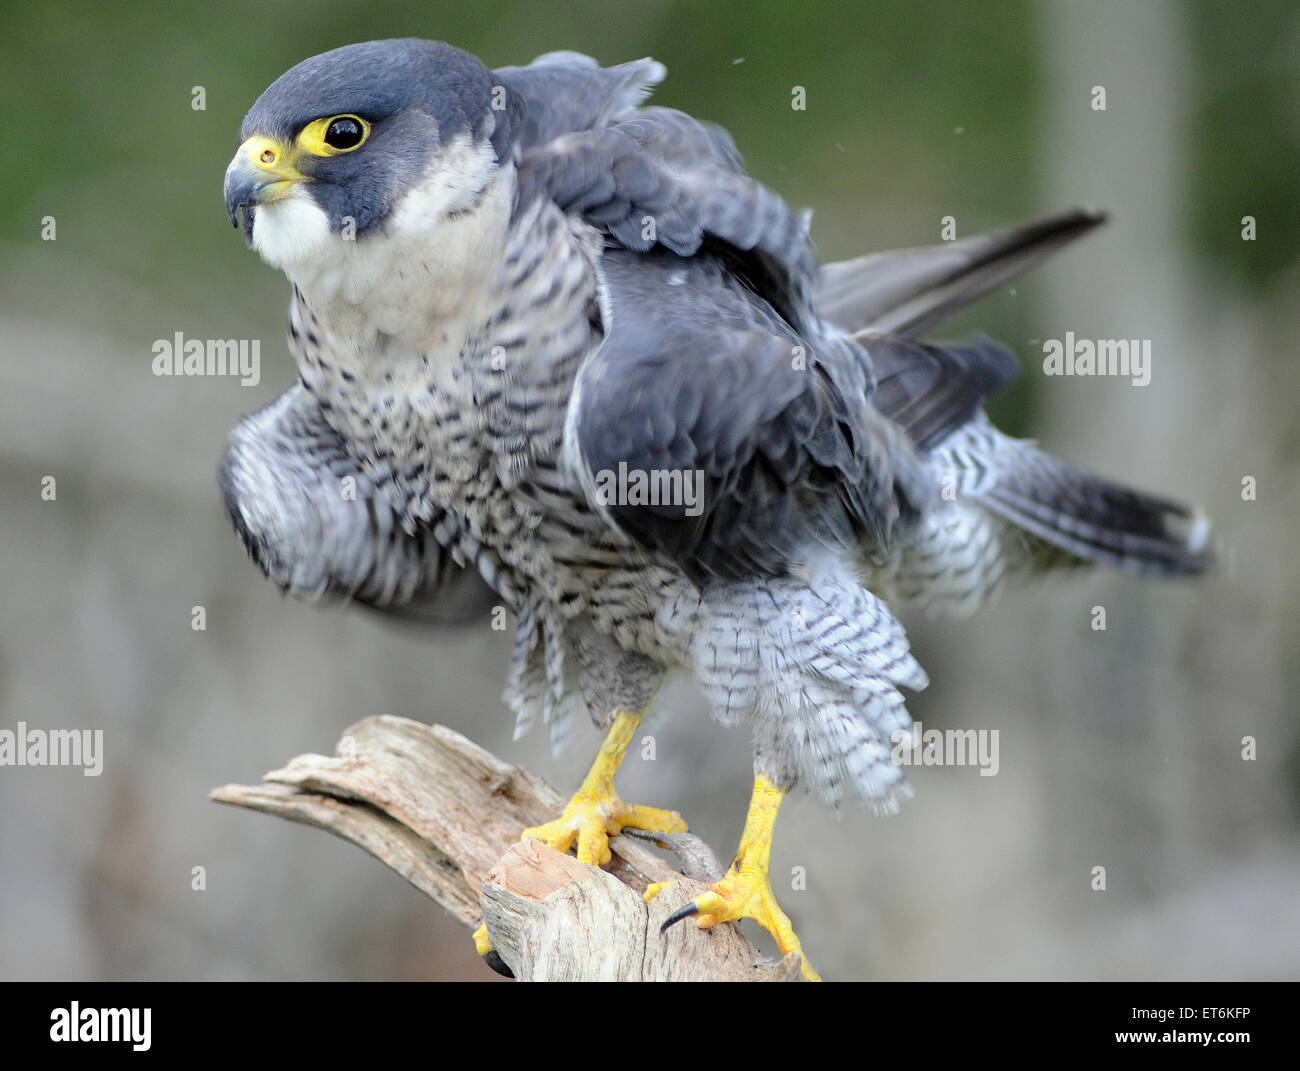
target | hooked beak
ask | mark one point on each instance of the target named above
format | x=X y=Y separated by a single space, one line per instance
x=261 y=172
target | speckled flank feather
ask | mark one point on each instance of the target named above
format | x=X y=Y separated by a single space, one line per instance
x=959 y=553
x=540 y=683
x=814 y=662
x=1008 y=509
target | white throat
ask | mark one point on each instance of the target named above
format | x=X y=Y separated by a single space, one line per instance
x=418 y=279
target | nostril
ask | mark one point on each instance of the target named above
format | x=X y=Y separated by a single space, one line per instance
x=267 y=157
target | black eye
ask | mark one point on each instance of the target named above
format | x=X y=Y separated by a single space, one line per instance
x=344 y=133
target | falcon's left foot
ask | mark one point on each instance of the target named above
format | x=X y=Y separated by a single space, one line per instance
x=595 y=813
x=745 y=891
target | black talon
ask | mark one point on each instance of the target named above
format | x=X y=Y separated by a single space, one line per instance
x=493 y=959
x=681 y=913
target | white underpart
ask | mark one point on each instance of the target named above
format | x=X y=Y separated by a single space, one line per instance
x=416 y=285
x=291 y=231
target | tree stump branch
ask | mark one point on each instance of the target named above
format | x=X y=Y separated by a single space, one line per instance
x=446 y=815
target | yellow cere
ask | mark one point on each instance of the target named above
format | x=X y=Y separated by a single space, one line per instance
x=273 y=162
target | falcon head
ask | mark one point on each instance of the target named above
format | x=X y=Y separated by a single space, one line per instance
x=386 y=138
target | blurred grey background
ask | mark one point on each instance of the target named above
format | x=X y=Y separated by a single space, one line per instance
x=1119 y=749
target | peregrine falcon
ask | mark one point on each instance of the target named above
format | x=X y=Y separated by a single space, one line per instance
x=558 y=351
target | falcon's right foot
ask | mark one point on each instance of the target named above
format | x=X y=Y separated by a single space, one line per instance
x=596 y=813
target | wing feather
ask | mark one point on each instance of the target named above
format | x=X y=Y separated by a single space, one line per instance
x=319 y=527
x=701 y=380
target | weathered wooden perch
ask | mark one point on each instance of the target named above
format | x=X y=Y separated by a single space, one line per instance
x=447 y=815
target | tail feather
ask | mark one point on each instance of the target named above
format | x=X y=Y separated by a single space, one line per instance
x=908 y=291
x=1096 y=520
x=1019 y=509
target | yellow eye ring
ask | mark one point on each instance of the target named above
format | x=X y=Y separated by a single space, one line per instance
x=334 y=135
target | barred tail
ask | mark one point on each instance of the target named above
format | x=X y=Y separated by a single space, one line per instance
x=1091 y=518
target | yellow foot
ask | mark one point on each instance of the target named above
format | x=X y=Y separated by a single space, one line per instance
x=741 y=895
x=593 y=816
x=596 y=813
x=745 y=891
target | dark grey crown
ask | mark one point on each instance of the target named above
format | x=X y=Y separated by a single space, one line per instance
x=415 y=94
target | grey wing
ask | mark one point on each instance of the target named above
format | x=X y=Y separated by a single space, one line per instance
x=930 y=389
x=698 y=378
x=566 y=91
x=660 y=178
x=316 y=525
